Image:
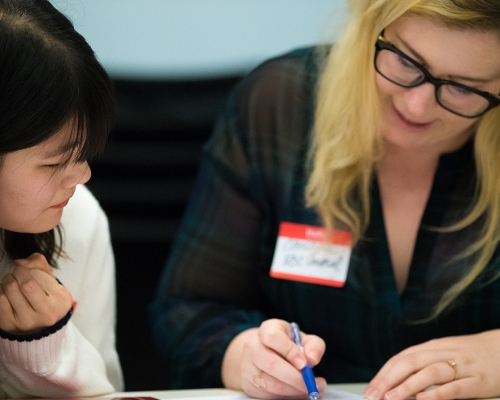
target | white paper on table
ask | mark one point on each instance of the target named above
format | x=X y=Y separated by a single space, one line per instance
x=330 y=394
x=336 y=394
x=228 y=397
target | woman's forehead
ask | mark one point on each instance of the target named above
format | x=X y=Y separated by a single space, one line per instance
x=448 y=50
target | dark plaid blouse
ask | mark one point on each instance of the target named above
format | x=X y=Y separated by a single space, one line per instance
x=216 y=282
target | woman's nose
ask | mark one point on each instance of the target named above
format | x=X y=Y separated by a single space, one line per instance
x=78 y=173
x=420 y=99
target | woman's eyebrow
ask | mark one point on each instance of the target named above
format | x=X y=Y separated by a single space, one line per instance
x=469 y=79
x=412 y=51
x=415 y=55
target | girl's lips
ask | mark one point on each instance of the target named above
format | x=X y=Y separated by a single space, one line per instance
x=410 y=124
x=61 y=205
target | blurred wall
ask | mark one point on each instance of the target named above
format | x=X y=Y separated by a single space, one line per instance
x=178 y=39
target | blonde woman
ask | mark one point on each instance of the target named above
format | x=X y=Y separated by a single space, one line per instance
x=386 y=148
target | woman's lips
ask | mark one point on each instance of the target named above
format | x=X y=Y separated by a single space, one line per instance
x=408 y=124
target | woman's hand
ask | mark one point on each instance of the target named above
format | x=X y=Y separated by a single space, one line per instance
x=462 y=366
x=31 y=298
x=264 y=362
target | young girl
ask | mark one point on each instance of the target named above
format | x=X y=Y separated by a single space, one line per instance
x=57 y=294
x=390 y=137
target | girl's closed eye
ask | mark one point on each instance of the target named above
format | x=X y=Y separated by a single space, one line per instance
x=59 y=163
x=54 y=166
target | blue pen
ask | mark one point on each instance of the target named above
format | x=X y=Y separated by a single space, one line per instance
x=307 y=372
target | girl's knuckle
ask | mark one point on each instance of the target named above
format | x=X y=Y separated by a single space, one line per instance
x=10 y=287
x=4 y=301
x=28 y=286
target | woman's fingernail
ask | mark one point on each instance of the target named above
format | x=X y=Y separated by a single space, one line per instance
x=21 y=261
x=313 y=356
x=389 y=396
x=421 y=396
x=298 y=363
x=372 y=394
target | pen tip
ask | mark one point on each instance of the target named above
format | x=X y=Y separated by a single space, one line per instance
x=314 y=396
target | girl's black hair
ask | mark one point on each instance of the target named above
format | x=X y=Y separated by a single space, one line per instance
x=49 y=76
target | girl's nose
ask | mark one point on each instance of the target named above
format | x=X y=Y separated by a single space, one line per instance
x=78 y=173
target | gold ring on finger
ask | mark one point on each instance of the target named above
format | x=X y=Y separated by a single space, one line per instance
x=453 y=365
x=258 y=381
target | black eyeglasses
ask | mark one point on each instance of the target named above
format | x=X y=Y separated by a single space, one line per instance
x=400 y=69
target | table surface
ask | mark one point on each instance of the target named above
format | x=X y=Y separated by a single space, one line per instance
x=165 y=394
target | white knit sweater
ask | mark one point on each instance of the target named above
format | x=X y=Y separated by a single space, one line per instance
x=80 y=358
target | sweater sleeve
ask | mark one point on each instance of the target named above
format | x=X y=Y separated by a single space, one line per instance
x=80 y=358
x=212 y=286
x=208 y=292
x=197 y=311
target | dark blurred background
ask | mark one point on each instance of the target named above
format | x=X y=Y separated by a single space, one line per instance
x=173 y=63
x=143 y=181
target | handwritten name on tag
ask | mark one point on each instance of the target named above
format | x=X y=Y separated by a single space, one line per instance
x=304 y=253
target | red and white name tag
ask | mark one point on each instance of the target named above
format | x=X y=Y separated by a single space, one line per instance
x=304 y=253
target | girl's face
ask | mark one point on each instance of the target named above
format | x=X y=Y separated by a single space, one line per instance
x=411 y=118
x=35 y=186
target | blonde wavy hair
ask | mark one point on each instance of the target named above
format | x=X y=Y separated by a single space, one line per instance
x=347 y=140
